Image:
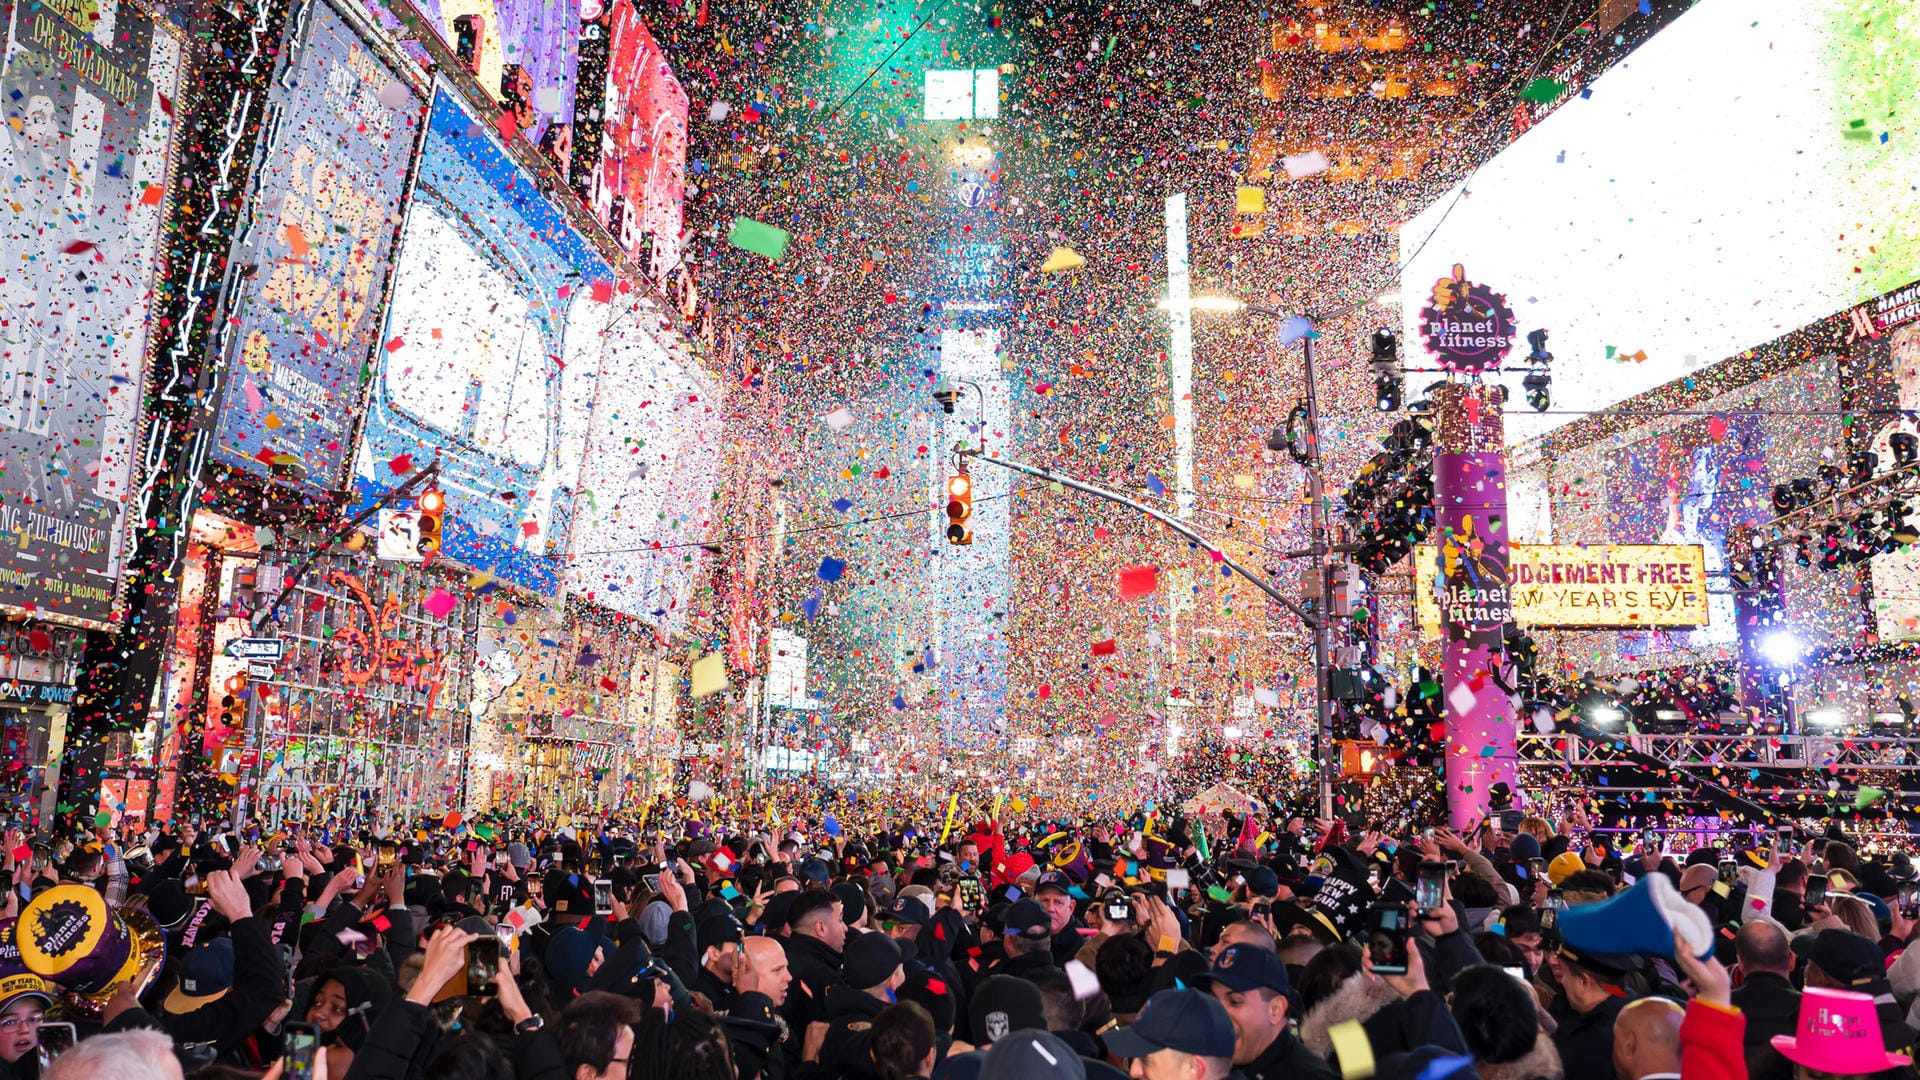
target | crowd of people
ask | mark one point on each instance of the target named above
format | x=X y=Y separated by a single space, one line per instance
x=714 y=950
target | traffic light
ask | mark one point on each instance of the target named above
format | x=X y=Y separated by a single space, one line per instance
x=432 y=507
x=959 y=509
x=230 y=710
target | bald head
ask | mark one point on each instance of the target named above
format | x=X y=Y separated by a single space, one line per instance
x=1763 y=946
x=767 y=965
x=1646 y=1039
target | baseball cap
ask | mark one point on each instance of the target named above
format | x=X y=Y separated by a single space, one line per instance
x=1849 y=958
x=1053 y=879
x=1247 y=967
x=1003 y=1004
x=1180 y=1019
x=1029 y=920
x=205 y=976
x=1032 y=1055
x=906 y=909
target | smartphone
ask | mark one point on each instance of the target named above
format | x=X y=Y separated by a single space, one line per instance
x=1549 y=925
x=1536 y=869
x=1729 y=871
x=602 y=896
x=972 y=896
x=1430 y=888
x=1783 y=839
x=302 y=1046
x=1262 y=908
x=1816 y=894
x=1387 y=939
x=1518 y=973
x=651 y=881
x=483 y=962
x=55 y=1039
x=1910 y=900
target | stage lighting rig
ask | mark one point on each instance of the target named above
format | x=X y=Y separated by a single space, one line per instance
x=1538 y=380
x=1386 y=370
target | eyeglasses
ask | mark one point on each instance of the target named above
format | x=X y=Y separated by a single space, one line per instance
x=30 y=1020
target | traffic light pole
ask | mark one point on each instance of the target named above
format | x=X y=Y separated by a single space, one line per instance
x=1314 y=622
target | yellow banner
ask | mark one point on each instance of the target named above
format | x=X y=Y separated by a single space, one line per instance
x=1596 y=586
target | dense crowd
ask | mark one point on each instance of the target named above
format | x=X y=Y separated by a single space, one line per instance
x=1523 y=950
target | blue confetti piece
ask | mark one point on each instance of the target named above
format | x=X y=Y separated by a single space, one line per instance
x=1646 y=7
x=1155 y=485
x=831 y=569
x=842 y=504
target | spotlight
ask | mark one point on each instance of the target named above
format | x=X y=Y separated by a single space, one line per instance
x=1900 y=531
x=1861 y=466
x=1386 y=393
x=1828 y=717
x=1831 y=477
x=1536 y=386
x=1386 y=370
x=1802 y=493
x=1906 y=447
x=1537 y=341
x=1781 y=648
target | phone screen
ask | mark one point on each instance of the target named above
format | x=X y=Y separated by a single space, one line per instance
x=1816 y=894
x=1910 y=900
x=1729 y=870
x=1387 y=941
x=651 y=881
x=971 y=894
x=602 y=896
x=483 y=961
x=1536 y=868
x=55 y=1039
x=303 y=1044
x=1430 y=889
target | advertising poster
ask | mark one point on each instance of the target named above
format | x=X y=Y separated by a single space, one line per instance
x=83 y=158
x=471 y=363
x=637 y=182
x=1587 y=586
x=647 y=477
x=1691 y=485
x=329 y=200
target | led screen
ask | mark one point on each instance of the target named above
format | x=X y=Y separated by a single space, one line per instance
x=471 y=362
x=1725 y=183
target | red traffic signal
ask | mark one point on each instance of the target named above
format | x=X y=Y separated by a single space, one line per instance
x=959 y=509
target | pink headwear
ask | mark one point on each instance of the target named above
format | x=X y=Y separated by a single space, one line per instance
x=1839 y=1033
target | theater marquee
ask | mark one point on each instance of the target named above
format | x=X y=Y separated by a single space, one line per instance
x=1598 y=586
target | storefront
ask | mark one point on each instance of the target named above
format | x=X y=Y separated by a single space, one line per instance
x=568 y=709
x=361 y=716
x=37 y=667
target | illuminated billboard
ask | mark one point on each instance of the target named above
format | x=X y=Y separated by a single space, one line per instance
x=1731 y=179
x=471 y=361
x=332 y=179
x=84 y=150
x=1589 y=586
x=630 y=153
x=524 y=53
x=651 y=452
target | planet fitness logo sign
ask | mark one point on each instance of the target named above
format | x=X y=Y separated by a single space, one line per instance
x=1467 y=327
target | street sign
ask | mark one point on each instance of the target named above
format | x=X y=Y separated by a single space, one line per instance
x=256 y=670
x=256 y=648
x=399 y=536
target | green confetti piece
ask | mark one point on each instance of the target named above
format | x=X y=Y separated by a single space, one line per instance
x=1543 y=90
x=759 y=238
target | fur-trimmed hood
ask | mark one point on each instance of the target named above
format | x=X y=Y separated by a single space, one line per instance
x=1542 y=1063
x=1357 y=999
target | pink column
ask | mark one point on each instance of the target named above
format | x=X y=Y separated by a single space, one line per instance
x=1470 y=505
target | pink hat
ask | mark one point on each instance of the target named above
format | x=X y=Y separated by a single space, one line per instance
x=1839 y=1033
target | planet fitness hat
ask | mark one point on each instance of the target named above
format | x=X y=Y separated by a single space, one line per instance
x=68 y=936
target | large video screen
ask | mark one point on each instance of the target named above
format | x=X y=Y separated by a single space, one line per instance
x=471 y=365
x=1739 y=175
x=331 y=184
x=648 y=466
x=86 y=98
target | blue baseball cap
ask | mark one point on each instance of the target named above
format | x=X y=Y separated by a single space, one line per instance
x=1182 y=1019
x=1247 y=967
